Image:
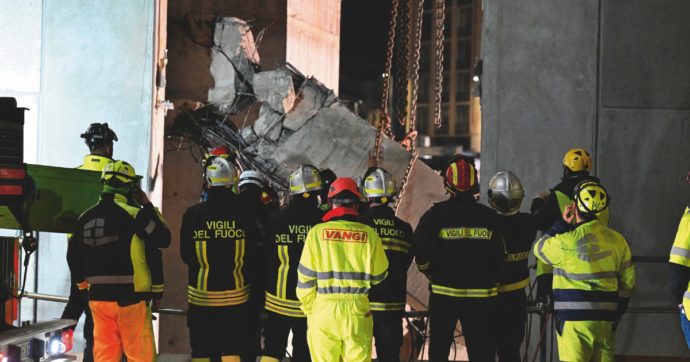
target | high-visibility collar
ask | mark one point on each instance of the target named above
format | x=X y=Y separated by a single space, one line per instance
x=344 y=213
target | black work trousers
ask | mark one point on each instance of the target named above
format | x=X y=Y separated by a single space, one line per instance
x=216 y=331
x=79 y=303
x=277 y=327
x=388 y=335
x=508 y=320
x=473 y=314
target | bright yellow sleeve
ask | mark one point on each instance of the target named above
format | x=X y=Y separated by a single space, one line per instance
x=626 y=279
x=548 y=250
x=680 y=252
x=306 y=273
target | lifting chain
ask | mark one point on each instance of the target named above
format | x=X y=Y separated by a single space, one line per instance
x=411 y=126
x=382 y=118
x=439 y=18
x=401 y=58
x=403 y=184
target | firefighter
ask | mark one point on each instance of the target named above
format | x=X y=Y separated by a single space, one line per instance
x=108 y=252
x=388 y=298
x=327 y=177
x=457 y=244
x=341 y=260
x=289 y=234
x=517 y=229
x=680 y=270
x=217 y=240
x=99 y=138
x=593 y=277
x=548 y=208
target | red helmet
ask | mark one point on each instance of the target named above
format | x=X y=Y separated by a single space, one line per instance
x=460 y=175
x=220 y=151
x=344 y=187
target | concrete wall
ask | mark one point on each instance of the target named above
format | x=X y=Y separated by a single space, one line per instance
x=74 y=62
x=611 y=76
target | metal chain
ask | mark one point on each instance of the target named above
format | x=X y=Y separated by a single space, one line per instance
x=403 y=184
x=401 y=57
x=439 y=18
x=383 y=121
x=412 y=117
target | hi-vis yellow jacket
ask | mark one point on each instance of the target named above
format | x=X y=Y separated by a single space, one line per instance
x=680 y=255
x=341 y=258
x=593 y=274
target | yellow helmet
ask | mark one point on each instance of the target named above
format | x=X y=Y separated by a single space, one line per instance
x=591 y=198
x=577 y=159
x=119 y=173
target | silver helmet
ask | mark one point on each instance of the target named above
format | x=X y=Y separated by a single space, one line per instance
x=251 y=177
x=379 y=183
x=220 y=172
x=304 y=179
x=505 y=193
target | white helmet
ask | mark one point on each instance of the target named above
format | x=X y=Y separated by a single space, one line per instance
x=304 y=179
x=379 y=183
x=505 y=193
x=220 y=172
x=251 y=177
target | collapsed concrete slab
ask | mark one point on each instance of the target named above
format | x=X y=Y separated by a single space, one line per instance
x=234 y=59
x=275 y=89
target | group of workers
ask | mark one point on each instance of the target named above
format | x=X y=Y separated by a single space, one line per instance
x=330 y=266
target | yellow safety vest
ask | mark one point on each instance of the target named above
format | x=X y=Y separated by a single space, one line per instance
x=680 y=252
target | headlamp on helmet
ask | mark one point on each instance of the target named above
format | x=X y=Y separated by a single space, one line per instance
x=505 y=193
x=98 y=135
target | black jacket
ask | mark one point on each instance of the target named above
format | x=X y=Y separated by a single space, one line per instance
x=396 y=236
x=109 y=249
x=458 y=245
x=518 y=233
x=548 y=212
x=288 y=233
x=217 y=239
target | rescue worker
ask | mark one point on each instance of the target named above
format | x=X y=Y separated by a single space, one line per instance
x=217 y=240
x=218 y=151
x=548 y=209
x=680 y=270
x=388 y=298
x=341 y=260
x=593 y=277
x=458 y=245
x=99 y=138
x=517 y=229
x=290 y=230
x=327 y=177
x=108 y=251
x=255 y=200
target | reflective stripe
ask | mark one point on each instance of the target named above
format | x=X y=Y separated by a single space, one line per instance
x=396 y=245
x=99 y=241
x=239 y=262
x=540 y=246
x=157 y=288
x=585 y=276
x=306 y=285
x=342 y=290
x=283 y=302
x=686 y=295
x=424 y=266
x=585 y=305
x=290 y=312
x=465 y=233
x=383 y=307
x=463 y=293
x=150 y=227
x=217 y=294
x=281 y=280
x=624 y=293
x=202 y=276
x=111 y=279
x=678 y=251
x=349 y=276
x=306 y=271
x=513 y=286
x=626 y=264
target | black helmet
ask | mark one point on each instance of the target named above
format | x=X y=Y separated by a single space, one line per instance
x=98 y=135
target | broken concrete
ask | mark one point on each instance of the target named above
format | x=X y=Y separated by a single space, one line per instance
x=275 y=89
x=312 y=96
x=269 y=124
x=234 y=58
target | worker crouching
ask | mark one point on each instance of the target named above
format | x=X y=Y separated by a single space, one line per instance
x=341 y=260
x=108 y=251
x=216 y=240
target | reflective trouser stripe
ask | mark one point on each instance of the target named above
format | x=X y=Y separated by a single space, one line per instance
x=586 y=276
x=342 y=290
x=110 y=279
x=463 y=293
x=585 y=306
x=384 y=307
x=513 y=286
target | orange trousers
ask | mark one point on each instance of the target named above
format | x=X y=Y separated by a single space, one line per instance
x=118 y=330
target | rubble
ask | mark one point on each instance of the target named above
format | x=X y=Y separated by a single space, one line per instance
x=275 y=89
x=234 y=59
